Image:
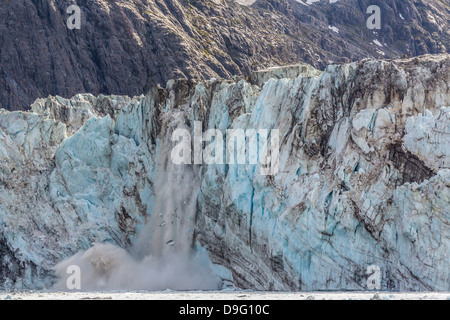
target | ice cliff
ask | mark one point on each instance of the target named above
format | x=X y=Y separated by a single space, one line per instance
x=364 y=177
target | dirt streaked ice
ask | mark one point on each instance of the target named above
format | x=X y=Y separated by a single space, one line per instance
x=364 y=179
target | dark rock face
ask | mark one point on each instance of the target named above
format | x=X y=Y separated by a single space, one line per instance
x=412 y=169
x=125 y=47
x=10 y=266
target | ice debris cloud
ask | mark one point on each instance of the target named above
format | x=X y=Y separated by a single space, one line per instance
x=163 y=255
x=363 y=180
x=109 y=267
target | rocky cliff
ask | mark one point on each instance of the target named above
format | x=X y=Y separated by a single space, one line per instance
x=127 y=46
x=363 y=177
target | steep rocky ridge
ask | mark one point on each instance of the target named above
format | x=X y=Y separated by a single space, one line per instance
x=126 y=47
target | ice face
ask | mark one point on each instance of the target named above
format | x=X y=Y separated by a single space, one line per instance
x=363 y=181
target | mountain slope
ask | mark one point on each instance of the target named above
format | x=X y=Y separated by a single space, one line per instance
x=125 y=47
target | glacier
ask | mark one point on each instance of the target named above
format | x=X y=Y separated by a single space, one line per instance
x=364 y=180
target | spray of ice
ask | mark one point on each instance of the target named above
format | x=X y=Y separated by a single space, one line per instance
x=162 y=257
x=108 y=267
